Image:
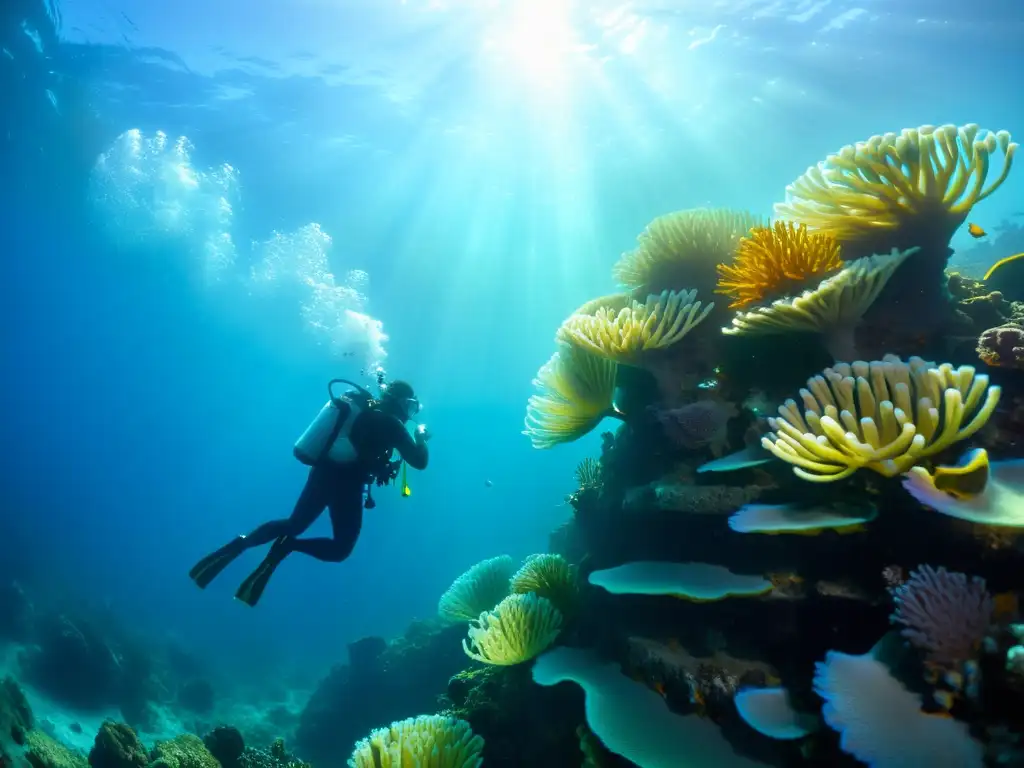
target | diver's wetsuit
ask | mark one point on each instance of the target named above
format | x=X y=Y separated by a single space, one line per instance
x=375 y=433
x=339 y=488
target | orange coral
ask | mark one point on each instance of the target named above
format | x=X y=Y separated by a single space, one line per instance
x=772 y=261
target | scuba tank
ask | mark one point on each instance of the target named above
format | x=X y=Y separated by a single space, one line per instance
x=327 y=436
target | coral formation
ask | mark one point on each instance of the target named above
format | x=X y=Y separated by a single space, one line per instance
x=625 y=336
x=693 y=426
x=692 y=581
x=945 y=614
x=1002 y=346
x=920 y=179
x=884 y=415
x=551 y=577
x=441 y=742
x=771 y=262
x=184 y=751
x=575 y=391
x=834 y=308
x=881 y=722
x=519 y=628
x=631 y=720
x=683 y=249
x=117 y=746
x=477 y=590
x=408 y=674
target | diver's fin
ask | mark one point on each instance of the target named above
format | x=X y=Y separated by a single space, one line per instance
x=207 y=569
x=251 y=590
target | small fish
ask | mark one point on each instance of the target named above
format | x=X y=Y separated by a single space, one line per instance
x=976 y=231
x=488 y=484
x=660 y=689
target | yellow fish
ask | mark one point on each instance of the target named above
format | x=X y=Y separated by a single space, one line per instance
x=976 y=231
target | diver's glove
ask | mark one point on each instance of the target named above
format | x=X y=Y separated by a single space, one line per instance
x=422 y=433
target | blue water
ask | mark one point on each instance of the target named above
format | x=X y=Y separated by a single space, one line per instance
x=485 y=163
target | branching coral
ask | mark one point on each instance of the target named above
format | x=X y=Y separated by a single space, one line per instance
x=576 y=389
x=428 y=740
x=682 y=249
x=552 y=577
x=625 y=335
x=884 y=415
x=477 y=590
x=833 y=309
x=772 y=261
x=945 y=614
x=519 y=628
x=1003 y=346
x=921 y=179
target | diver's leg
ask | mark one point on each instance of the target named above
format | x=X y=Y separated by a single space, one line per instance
x=308 y=508
x=311 y=502
x=346 y=507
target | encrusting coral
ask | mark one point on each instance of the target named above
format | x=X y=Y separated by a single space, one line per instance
x=429 y=740
x=575 y=392
x=833 y=309
x=1002 y=347
x=624 y=336
x=884 y=415
x=771 y=262
x=519 y=628
x=683 y=249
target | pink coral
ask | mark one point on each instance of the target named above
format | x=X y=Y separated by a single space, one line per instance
x=945 y=614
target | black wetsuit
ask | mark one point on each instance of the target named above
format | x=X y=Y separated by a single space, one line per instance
x=339 y=488
x=375 y=433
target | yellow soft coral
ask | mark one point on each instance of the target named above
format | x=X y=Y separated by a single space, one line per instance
x=519 y=628
x=428 y=741
x=681 y=249
x=549 y=576
x=923 y=179
x=477 y=590
x=576 y=389
x=772 y=261
x=884 y=415
x=834 y=308
x=624 y=336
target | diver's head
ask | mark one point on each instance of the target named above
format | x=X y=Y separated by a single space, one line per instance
x=400 y=401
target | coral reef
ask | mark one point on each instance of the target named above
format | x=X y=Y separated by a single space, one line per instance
x=404 y=680
x=117 y=746
x=740 y=574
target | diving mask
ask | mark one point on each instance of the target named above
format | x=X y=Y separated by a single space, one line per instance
x=411 y=407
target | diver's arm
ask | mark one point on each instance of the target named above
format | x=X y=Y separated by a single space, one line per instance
x=412 y=450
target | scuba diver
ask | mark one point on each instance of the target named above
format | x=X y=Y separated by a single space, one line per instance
x=348 y=447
